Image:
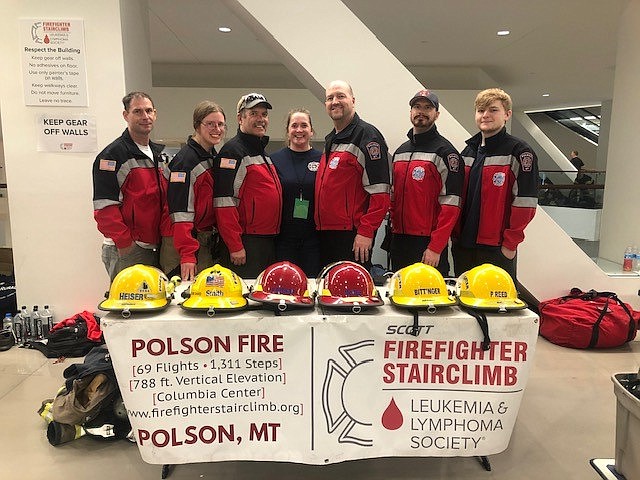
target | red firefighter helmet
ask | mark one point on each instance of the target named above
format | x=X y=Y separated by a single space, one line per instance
x=347 y=285
x=283 y=284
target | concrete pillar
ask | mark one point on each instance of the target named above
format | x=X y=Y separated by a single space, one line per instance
x=56 y=245
x=620 y=226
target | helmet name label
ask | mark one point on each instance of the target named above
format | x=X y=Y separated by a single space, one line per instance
x=214 y=293
x=131 y=296
x=498 y=294
x=427 y=291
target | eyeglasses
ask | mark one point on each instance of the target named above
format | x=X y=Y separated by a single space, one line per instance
x=210 y=125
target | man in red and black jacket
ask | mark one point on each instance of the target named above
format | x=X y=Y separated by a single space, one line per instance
x=500 y=194
x=352 y=182
x=427 y=188
x=128 y=190
x=248 y=195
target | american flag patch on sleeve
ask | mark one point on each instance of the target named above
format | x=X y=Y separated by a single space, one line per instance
x=107 y=165
x=178 y=177
x=228 y=163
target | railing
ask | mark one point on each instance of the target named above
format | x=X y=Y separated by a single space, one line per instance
x=561 y=188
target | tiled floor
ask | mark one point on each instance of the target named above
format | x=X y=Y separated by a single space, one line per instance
x=567 y=417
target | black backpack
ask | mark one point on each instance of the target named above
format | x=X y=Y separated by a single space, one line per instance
x=68 y=341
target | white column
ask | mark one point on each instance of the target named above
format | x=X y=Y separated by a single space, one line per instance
x=620 y=226
x=56 y=245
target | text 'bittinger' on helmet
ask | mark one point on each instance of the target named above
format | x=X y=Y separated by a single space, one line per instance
x=419 y=286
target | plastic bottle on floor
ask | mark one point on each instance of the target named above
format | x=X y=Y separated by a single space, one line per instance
x=47 y=320
x=627 y=260
x=36 y=323
x=27 y=330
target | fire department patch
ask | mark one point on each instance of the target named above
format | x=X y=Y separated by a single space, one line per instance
x=374 y=150
x=526 y=161
x=454 y=162
x=499 y=178
x=313 y=166
x=178 y=177
x=418 y=173
x=107 y=165
x=333 y=163
x=228 y=163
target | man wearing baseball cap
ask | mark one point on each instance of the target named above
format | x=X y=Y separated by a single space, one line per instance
x=428 y=175
x=247 y=192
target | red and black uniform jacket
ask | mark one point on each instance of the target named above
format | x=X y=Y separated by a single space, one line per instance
x=128 y=192
x=248 y=195
x=428 y=175
x=190 y=197
x=353 y=180
x=500 y=193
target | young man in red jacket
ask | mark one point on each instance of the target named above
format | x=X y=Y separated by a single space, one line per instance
x=247 y=192
x=500 y=193
x=352 y=182
x=129 y=190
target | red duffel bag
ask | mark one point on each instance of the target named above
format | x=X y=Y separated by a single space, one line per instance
x=588 y=320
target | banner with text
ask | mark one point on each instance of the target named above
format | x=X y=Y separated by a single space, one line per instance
x=318 y=390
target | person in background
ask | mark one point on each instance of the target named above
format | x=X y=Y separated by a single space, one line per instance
x=500 y=192
x=297 y=165
x=352 y=183
x=128 y=191
x=576 y=161
x=428 y=175
x=248 y=195
x=190 y=197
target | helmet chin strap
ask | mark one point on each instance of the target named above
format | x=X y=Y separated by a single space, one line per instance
x=481 y=318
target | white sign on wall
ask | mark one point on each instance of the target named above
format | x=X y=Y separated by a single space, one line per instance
x=53 y=62
x=67 y=133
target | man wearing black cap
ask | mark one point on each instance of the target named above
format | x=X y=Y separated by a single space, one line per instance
x=352 y=182
x=247 y=192
x=427 y=185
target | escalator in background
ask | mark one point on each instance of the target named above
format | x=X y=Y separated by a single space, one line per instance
x=585 y=121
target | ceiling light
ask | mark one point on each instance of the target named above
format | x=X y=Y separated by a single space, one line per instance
x=502 y=33
x=546 y=94
x=224 y=29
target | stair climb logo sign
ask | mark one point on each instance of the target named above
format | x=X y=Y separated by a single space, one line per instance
x=53 y=62
x=319 y=390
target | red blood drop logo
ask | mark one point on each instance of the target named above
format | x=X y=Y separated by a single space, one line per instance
x=46 y=39
x=392 y=416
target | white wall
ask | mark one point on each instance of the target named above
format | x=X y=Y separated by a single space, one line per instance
x=175 y=111
x=56 y=245
x=622 y=195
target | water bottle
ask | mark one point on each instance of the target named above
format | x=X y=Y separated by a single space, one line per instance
x=7 y=323
x=627 y=260
x=18 y=329
x=36 y=324
x=27 y=330
x=47 y=320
